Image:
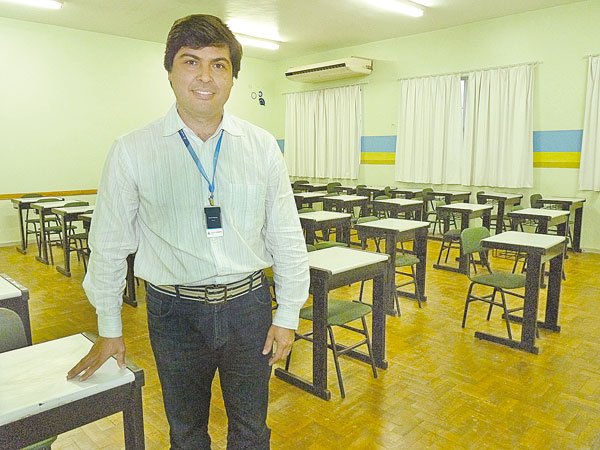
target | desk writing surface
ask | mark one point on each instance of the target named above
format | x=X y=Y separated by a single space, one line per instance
x=552 y=213
x=8 y=290
x=395 y=224
x=473 y=207
x=341 y=259
x=309 y=194
x=530 y=240
x=33 y=379
x=73 y=210
x=436 y=192
x=50 y=205
x=323 y=215
x=346 y=198
x=28 y=199
x=502 y=195
x=400 y=201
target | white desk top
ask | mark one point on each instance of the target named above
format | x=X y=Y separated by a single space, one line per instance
x=395 y=224
x=564 y=199
x=8 y=290
x=502 y=195
x=33 y=378
x=552 y=213
x=323 y=215
x=413 y=190
x=31 y=199
x=341 y=259
x=347 y=198
x=73 y=210
x=374 y=188
x=401 y=201
x=50 y=205
x=531 y=240
x=472 y=207
x=450 y=192
x=310 y=194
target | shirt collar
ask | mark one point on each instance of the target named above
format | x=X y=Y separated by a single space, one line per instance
x=173 y=123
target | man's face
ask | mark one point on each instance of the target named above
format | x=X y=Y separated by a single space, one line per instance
x=201 y=79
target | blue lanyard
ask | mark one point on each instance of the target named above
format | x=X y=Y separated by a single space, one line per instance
x=211 y=184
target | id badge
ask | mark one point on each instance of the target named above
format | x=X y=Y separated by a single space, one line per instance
x=214 y=228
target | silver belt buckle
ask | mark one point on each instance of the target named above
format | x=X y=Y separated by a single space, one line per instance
x=215 y=288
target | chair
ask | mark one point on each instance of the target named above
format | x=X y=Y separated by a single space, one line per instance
x=28 y=221
x=331 y=186
x=450 y=240
x=534 y=200
x=296 y=183
x=501 y=282
x=12 y=337
x=383 y=213
x=340 y=313
x=56 y=230
x=362 y=240
x=34 y=221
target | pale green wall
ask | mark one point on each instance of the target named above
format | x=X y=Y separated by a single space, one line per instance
x=67 y=94
x=560 y=38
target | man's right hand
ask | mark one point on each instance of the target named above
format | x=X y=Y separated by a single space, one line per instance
x=102 y=349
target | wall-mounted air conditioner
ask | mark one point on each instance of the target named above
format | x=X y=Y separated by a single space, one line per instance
x=331 y=70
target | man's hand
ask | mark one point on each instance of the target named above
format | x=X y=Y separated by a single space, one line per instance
x=283 y=339
x=102 y=349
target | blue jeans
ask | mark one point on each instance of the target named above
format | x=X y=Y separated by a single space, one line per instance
x=190 y=341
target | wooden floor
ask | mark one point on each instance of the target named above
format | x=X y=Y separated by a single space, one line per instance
x=444 y=389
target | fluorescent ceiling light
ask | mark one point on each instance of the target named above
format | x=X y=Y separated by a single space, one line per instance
x=259 y=30
x=392 y=5
x=254 y=42
x=48 y=4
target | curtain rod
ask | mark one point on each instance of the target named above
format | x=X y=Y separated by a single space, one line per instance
x=325 y=89
x=465 y=72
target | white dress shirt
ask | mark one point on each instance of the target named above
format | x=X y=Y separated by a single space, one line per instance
x=151 y=200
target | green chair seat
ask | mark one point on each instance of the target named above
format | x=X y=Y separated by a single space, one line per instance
x=502 y=280
x=453 y=234
x=404 y=260
x=328 y=244
x=339 y=312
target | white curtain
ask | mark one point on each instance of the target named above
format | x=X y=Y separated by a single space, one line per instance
x=498 y=149
x=430 y=130
x=589 y=166
x=322 y=133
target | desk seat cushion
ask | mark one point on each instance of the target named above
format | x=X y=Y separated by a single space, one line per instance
x=339 y=312
x=453 y=235
x=503 y=280
x=327 y=244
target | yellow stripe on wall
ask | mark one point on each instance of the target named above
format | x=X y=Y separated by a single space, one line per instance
x=565 y=160
x=377 y=158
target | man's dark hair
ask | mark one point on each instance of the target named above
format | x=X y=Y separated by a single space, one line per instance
x=199 y=31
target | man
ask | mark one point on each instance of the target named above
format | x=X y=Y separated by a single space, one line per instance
x=205 y=200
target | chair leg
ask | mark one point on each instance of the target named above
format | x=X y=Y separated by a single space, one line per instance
x=417 y=291
x=506 y=318
x=337 y=364
x=367 y=337
x=464 y=321
x=492 y=300
x=362 y=287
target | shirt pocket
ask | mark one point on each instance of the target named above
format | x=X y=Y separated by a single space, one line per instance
x=243 y=207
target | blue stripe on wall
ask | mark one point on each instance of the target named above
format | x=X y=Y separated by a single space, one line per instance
x=557 y=141
x=378 y=144
x=543 y=141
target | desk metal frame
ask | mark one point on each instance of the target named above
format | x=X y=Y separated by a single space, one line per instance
x=394 y=207
x=341 y=225
x=23 y=204
x=67 y=215
x=504 y=201
x=573 y=205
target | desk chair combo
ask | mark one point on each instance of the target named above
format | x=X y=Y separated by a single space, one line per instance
x=501 y=282
x=12 y=337
x=340 y=313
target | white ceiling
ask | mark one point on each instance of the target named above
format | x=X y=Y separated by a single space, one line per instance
x=304 y=26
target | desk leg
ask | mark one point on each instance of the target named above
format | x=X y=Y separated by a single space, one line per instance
x=420 y=249
x=463 y=261
x=576 y=244
x=43 y=252
x=378 y=321
x=554 y=284
x=133 y=421
x=66 y=270
x=391 y=293
x=499 y=218
x=530 y=310
x=23 y=248
x=310 y=234
x=342 y=233
x=130 y=298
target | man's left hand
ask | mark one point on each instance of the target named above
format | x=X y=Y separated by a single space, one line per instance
x=283 y=339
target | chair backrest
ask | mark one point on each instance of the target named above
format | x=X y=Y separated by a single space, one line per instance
x=48 y=199
x=366 y=219
x=534 y=200
x=331 y=185
x=310 y=248
x=471 y=239
x=382 y=197
x=298 y=182
x=360 y=186
x=31 y=195
x=12 y=332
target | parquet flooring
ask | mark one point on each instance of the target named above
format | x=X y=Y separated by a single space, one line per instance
x=444 y=389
